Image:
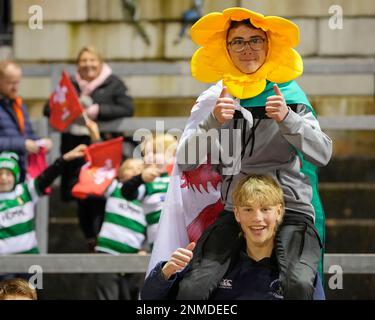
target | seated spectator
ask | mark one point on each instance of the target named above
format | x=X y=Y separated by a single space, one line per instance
x=251 y=271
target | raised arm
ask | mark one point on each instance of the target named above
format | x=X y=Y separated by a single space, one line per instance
x=301 y=129
x=130 y=188
x=46 y=178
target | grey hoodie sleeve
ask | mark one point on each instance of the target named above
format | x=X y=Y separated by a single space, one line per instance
x=302 y=130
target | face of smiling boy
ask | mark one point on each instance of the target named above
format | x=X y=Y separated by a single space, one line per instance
x=6 y=180
x=258 y=223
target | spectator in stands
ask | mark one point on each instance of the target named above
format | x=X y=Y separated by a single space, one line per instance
x=251 y=271
x=124 y=227
x=104 y=97
x=16 y=133
x=123 y=231
x=18 y=199
x=17 y=289
x=151 y=186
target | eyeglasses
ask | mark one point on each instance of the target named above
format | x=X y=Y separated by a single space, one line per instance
x=239 y=45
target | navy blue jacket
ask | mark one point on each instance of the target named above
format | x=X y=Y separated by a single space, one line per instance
x=245 y=280
x=11 y=138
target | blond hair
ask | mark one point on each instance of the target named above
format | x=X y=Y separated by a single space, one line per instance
x=16 y=287
x=257 y=189
x=164 y=142
x=92 y=50
x=5 y=64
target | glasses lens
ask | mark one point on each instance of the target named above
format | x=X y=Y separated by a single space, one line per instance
x=237 y=45
x=257 y=44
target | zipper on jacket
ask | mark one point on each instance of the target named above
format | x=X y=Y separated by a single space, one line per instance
x=252 y=137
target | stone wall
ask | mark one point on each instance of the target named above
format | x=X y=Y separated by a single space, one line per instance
x=68 y=25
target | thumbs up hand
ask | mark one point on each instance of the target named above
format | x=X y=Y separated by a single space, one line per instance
x=224 y=108
x=179 y=260
x=276 y=107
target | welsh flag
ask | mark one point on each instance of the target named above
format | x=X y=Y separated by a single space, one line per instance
x=103 y=161
x=193 y=200
x=64 y=104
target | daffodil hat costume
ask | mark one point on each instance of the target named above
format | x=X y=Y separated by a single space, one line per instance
x=211 y=62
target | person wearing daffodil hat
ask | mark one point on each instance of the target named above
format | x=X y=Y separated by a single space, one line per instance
x=252 y=60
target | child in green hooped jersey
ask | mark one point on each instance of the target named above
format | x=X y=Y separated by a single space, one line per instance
x=123 y=231
x=17 y=201
x=150 y=187
x=135 y=201
x=124 y=226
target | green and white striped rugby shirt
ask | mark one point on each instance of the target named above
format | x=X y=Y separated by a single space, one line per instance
x=124 y=226
x=153 y=195
x=17 y=228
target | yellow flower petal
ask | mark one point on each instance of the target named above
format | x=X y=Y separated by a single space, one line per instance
x=204 y=29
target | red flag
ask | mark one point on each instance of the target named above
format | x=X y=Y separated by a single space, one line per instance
x=104 y=159
x=36 y=164
x=64 y=104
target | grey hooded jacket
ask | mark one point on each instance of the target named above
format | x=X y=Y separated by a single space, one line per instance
x=257 y=145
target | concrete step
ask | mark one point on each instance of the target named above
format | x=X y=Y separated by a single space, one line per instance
x=350 y=235
x=58 y=208
x=349 y=169
x=78 y=286
x=355 y=286
x=348 y=200
x=66 y=237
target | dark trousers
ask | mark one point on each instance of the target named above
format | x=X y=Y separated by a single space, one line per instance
x=298 y=250
x=91 y=215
